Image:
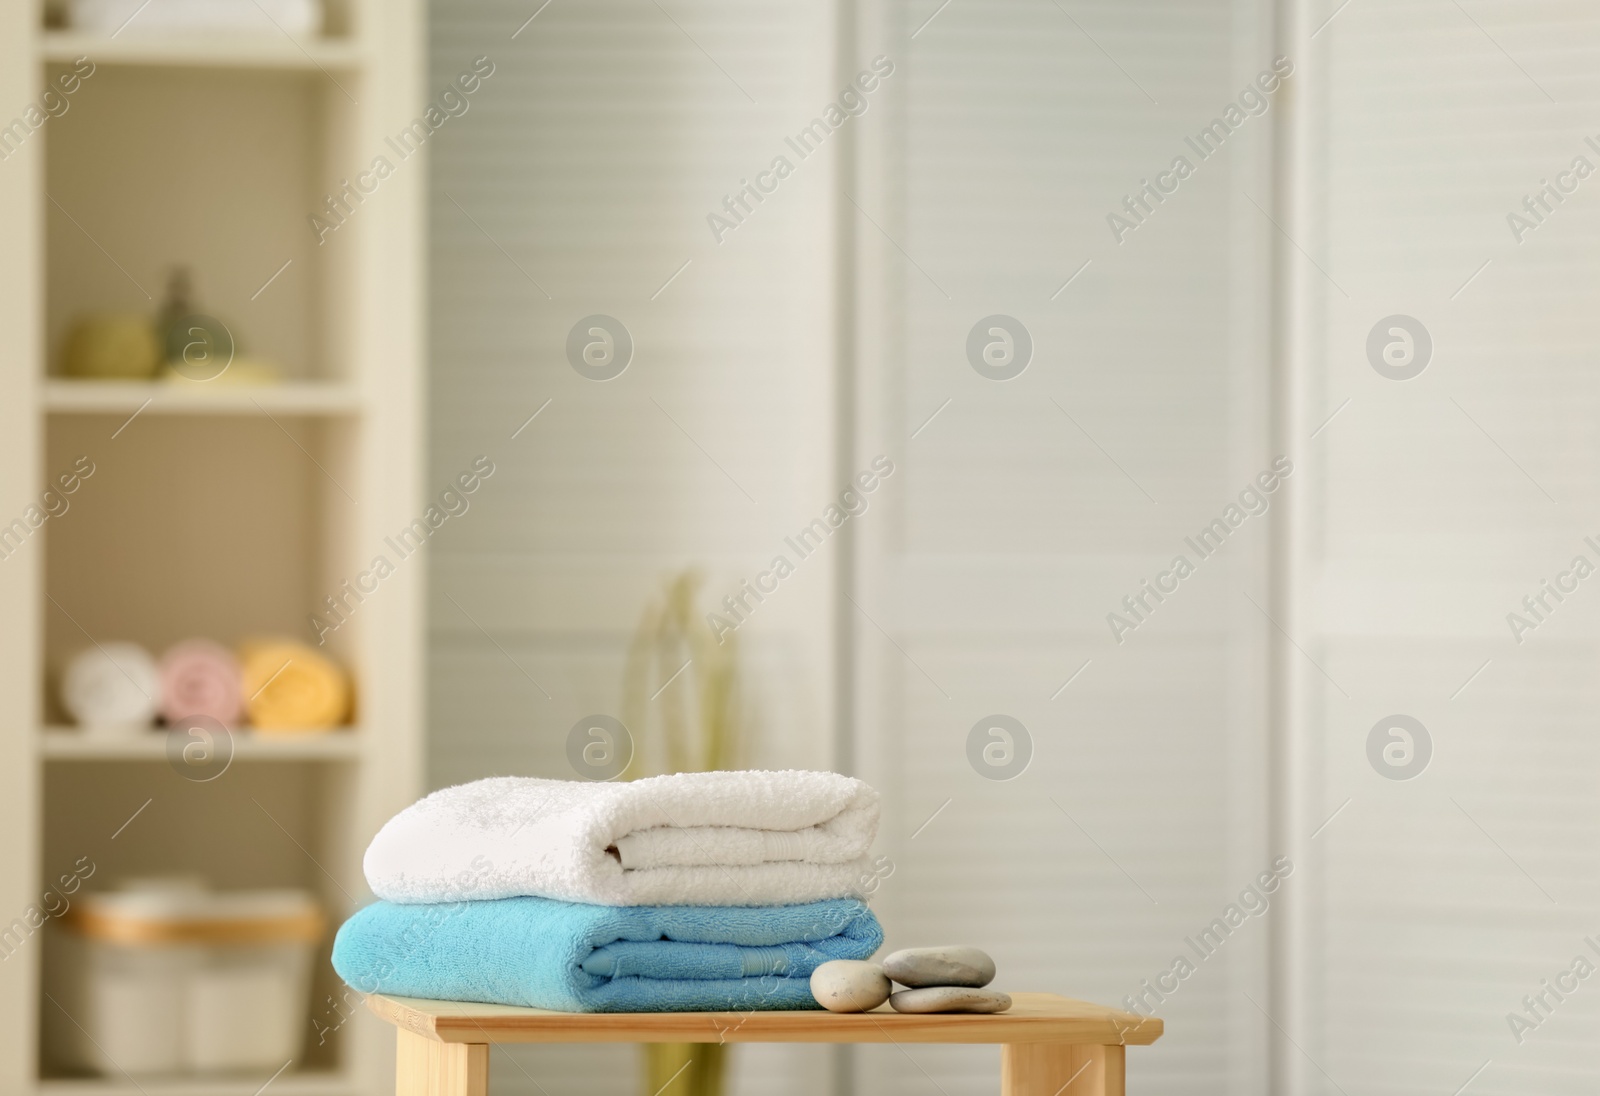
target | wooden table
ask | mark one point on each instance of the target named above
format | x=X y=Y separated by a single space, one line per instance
x=1049 y=1045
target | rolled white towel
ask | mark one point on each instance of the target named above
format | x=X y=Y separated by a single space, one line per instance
x=715 y=839
x=111 y=685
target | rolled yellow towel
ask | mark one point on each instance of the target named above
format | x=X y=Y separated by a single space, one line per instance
x=290 y=687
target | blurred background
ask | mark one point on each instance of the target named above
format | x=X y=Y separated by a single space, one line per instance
x=1224 y=374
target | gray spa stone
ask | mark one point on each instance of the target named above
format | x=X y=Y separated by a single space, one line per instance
x=849 y=985
x=942 y=966
x=949 y=999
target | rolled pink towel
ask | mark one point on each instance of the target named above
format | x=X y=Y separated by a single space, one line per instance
x=199 y=677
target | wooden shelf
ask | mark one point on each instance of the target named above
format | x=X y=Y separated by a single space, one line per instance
x=290 y=1084
x=204 y=51
x=180 y=398
x=74 y=744
x=1032 y=1018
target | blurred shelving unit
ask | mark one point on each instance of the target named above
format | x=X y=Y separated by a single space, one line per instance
x=157 y=397
x=215 y=52
x=334 y=744
x=218 y=509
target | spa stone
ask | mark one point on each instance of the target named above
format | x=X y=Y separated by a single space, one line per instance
x=849 y=985
x=942 y=966
x=950 y=999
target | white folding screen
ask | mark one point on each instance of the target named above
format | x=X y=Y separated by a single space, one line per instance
x=1440 y=503
x=1025 y=510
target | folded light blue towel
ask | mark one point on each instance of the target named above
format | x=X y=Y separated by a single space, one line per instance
x=574 y=957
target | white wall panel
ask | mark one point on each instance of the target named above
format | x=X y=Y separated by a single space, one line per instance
x=1441 y=502
x=1026 y=509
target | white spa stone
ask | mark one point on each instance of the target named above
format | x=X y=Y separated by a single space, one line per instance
x=950 y=999
x=849 y=985
x=942 y=966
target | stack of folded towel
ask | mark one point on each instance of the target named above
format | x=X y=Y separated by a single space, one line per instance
x=690 y=892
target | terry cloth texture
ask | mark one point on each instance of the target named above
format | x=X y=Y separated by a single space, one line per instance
x=705 y=839
x=578 y=957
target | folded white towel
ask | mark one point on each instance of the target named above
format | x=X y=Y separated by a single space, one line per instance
x=712 y=839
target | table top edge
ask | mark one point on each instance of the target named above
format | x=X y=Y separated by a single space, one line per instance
x=1077 y=1023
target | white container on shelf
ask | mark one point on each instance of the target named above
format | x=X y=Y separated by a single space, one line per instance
x=172 y=978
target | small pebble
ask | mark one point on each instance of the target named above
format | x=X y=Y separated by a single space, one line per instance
x=949 y=999
x=943 y=966
x=849 y=985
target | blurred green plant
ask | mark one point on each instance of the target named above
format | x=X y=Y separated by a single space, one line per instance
x=680 y=702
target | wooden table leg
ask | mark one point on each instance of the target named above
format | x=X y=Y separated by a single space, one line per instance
x=425 y=1067
x=1050 y=1069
